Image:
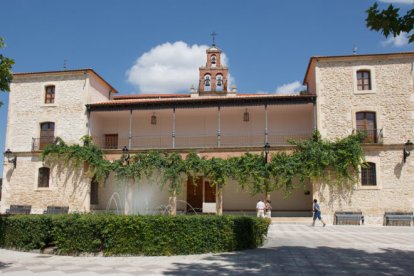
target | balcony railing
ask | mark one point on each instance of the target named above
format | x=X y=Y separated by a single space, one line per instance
x=42 y=142
x=222 y=140
x=372 y=136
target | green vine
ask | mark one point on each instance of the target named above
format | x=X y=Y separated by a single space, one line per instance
x=314 y=159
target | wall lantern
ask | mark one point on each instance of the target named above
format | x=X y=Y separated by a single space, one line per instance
x=153 y=119
x=408 y=147
x=266 y=150
x=246 y=116
x=11 y=158
x=125 y=154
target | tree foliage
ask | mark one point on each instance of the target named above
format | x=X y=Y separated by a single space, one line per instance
x=389 y=21
x=314 y=159
x=6 y=76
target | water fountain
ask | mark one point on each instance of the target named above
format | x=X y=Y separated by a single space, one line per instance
x=116 y=198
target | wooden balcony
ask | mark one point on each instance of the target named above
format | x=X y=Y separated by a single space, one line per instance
x=372 y=136
x=42 y=142
x=188 y=141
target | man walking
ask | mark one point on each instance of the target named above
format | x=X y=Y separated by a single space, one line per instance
x=260 y=207
x=317 y=213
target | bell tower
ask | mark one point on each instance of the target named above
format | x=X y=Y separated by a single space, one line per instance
x=213 y=76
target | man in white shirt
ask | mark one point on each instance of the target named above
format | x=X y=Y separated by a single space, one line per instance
x=260 y=207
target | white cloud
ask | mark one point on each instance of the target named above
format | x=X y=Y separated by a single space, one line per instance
x=169 y=68
x=398 y=1
x=290 y=88
x=398 y=41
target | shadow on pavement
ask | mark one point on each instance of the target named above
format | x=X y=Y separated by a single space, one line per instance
x=298 y=260
x=4 y=265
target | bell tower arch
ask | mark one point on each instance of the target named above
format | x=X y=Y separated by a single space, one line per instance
x=213 y=76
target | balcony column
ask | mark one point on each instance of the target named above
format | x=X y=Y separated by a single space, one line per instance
x=218 y=127
x=266 y=129
x=173 y=129
x=89 y=122
x=315 y=116
x=130 y=129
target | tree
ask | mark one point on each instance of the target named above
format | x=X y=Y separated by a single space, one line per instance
x=6 y=76
x=389 y=21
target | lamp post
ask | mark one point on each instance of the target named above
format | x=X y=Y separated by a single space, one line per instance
x=125 y=154
x=266 y=151
x=10 y=157
x=266 y=180
x=408 y=147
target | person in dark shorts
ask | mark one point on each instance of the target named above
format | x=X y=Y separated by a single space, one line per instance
x=317 y=213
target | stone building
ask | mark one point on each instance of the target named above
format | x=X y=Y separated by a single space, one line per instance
x=375 y=94
x=370 y=93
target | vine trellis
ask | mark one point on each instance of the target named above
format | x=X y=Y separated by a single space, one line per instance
x=315 y=159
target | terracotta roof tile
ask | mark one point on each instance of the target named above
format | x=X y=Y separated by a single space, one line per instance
x=151 y=96
x=200 y=99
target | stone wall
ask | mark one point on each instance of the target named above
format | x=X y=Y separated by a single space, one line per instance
x=66 y=187
x=26 y=111
x=392 y=98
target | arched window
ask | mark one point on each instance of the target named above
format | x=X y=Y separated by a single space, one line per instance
x=49 y=94
x=219 y=82
x=364 y=80
x=213 y=61
x=47 y=134
x=369 y=175
x=207 y=82
x=43 y=177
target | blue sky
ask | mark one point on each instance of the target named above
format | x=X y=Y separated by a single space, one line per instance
x=267 y=43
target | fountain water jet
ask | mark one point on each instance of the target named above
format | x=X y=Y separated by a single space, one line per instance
x=116 y=198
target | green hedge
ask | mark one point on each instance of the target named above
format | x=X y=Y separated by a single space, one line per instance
x=132 y=235
x=25 y=232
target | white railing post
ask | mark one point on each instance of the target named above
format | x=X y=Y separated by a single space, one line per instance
x=218 y=127
x=266 y=127
x=173 y=129
x=130 y=129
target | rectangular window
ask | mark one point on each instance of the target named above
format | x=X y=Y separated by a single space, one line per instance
x=369 y=175
x=50 y=94
x=43 y=177
x=364 y=80
x=111 y=141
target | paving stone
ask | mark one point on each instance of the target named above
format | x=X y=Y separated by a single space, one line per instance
x=289 y=250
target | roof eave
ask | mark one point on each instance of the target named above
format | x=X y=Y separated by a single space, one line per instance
x=200 y=103
x=59 y=72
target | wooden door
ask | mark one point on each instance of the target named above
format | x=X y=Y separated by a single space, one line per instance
x=111 y=141
x=94 y=200
x=366 y=122
x=209 y=193
x=47 y=134
x=195 y=194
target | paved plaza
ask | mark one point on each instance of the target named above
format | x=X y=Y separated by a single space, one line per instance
x=291 y=249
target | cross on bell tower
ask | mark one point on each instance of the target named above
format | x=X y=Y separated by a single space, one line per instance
x=213 y=35
x=213 y=76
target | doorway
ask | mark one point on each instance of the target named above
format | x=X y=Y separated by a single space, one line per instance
x=200 y=194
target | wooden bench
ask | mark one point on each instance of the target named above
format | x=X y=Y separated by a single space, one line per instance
x=349 y=218
x=398 y=218
x=56 y=210
x=19 y=209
